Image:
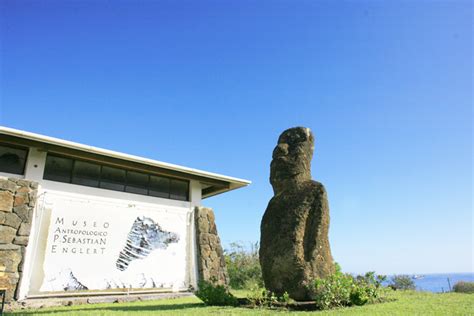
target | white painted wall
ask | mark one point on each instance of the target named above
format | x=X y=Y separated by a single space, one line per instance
x=34 y=256
x=195 y=193
x=195 y=199
x=35 y=164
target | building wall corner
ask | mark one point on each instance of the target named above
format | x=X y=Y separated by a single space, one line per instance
x=17 y=204
x=210 y=255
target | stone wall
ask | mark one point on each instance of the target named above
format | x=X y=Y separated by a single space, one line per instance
x=211 y=261
x=17 y=202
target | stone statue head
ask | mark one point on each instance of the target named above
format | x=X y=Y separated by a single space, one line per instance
x=292 y=156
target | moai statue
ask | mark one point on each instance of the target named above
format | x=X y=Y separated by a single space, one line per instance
x=294 y=244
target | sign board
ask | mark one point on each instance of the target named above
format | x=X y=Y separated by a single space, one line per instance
x=103 y=245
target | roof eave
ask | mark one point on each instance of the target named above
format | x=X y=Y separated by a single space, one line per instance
x=234 y=183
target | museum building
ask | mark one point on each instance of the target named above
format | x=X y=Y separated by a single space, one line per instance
x=80 y=220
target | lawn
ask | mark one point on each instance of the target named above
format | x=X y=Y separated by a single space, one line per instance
x=406 y=303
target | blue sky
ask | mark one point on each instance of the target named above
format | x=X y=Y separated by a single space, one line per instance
x=386 y=87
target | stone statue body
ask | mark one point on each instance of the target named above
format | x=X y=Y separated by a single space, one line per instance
x=294 y=244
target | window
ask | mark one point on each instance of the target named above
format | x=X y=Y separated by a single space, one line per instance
x=63 y=169
x=86 y=173
x=137 y=182
x=58 y=169
x=159 y=187
x=179 y=190
x=112 y=178
x=12 y=159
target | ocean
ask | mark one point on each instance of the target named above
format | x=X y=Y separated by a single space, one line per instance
x=438 y=282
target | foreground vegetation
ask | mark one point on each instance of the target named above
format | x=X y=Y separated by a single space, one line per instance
x=337 y=294
x=402 y=303
x=464 y=287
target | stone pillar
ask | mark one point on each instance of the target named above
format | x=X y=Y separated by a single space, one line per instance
x=17 y=202
x=210 y=256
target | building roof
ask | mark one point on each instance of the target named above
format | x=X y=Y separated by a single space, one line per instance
x=213 y=183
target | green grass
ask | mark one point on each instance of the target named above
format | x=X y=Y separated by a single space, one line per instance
x=406 y=303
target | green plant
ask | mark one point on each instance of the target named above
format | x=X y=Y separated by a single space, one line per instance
x=402 y=282
x=257 y=296
x=272 y=299
x=359 y=296
x=217 y=295
x=464 y=287
x=243 y=266
x=368 y=288
x=260 y=297
x=372 y=278
x=342 y=289
x=333 y=291
x=285 y=298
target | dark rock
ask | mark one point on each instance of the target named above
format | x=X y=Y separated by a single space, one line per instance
x=294 y=244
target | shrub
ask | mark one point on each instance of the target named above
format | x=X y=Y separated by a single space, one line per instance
x=212 y=294
x=259 y=297
x=464 y=287
x=243 y=266
x=285 y=298
x=333 y=291
x=368 y=288
x=402 y=282
x=371 y=278
x=359 y=296
x=342 y=289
